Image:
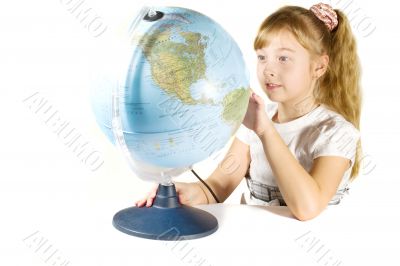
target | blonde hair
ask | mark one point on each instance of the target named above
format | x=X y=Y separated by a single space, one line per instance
x=339 y=88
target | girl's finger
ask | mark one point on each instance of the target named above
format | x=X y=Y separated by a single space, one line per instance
x=140 y=203
x=180 y=198
x=149 y=202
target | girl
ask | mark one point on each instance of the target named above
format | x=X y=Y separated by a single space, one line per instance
x=304 y=150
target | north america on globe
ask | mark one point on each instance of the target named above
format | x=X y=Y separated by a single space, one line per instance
x=176 y=66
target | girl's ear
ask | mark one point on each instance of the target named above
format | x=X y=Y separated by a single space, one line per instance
x=321 y=65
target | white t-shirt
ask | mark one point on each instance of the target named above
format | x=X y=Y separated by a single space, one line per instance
x=321 y=132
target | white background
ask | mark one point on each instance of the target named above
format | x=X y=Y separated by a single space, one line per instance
x=46 y=189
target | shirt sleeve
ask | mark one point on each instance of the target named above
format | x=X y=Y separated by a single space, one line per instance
x=336 y=138
x=243 y=134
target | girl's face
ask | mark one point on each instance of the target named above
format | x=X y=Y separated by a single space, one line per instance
x=284 y=70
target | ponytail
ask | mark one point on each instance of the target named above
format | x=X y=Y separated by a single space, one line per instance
x=339 y=87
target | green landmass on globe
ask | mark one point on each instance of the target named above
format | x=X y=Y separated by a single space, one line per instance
x=175 y=66
x=235 y=105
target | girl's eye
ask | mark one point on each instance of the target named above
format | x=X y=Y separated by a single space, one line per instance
x=261 y=57
x=283 y=58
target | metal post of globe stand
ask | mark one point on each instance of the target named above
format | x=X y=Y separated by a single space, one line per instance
x=167 y=219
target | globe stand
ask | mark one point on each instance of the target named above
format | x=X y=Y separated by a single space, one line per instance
x=167 y=219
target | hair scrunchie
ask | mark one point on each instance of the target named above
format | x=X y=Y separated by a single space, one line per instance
x=326 y=14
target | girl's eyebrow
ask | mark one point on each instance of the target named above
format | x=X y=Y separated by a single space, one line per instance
x=286 y=49
x=260 y=51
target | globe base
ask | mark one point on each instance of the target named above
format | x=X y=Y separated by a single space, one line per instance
x=167 y=219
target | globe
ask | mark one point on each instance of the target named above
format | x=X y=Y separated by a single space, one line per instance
x=170 y=92
x=182 y=92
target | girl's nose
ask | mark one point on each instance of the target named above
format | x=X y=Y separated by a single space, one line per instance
x=268 y=72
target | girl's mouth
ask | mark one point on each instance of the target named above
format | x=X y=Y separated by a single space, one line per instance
x=272 y=86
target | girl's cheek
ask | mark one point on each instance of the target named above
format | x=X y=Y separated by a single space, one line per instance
x=260 y=74
x=285 y=66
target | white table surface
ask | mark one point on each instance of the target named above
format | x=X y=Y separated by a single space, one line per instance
x=255 y=235
x=247 y=235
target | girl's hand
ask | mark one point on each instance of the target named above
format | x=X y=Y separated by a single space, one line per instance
x=188 y=194
x=256 y=118
x=148 y=200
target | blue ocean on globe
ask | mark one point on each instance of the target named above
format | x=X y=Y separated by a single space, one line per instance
x=183 y=92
